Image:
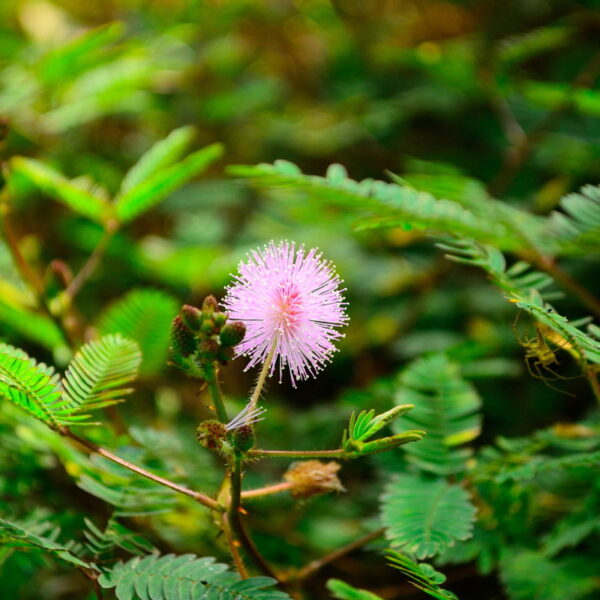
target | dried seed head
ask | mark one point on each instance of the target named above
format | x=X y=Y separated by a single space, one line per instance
x=313 y=477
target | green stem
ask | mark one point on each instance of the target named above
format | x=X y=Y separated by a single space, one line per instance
x=259 y=453
x=212 y=380
x=262 y=377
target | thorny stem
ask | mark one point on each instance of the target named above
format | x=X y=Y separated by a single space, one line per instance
x=92 y=262
x=311 y=568
x=232 y=517
x=212 y=380
x=262 y=377
x=276 y=488
x=93 y=447
x=259 y=453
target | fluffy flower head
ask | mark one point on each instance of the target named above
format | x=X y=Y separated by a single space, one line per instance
x=291 y=303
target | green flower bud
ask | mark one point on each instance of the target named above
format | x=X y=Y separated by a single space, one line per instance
x=209 y=305
x=232 y=334
x=243 y=438
x=192 y=317
x=220 y=318
x=209 y=349
x=183 y=340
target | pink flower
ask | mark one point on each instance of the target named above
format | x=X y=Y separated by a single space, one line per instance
x=291 y=303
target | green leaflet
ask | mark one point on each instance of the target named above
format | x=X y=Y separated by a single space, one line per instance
x=422 y=576
x=93 y=380
x=345 y=591
x=62 y=189
x=185 y=577
x=13 y=534
x=98 y=372
x=424 y=516
x=144 y=316
x=150 y=190
x=446 y=407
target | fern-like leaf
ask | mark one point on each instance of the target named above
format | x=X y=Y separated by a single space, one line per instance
x=422 y=576
x=390 y=204
x=58 y=186
x=424 y=516
x=576 y=230
x=144 y=316
x=160 y=156
x=98 y=372
x=14 y=535
x=150 y=190
x=184 y=577
x=33 y=387
x=446 y=407
x=345 y=591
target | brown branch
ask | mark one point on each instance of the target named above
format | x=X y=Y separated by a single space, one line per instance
x=518 y=152
x=276 y=488
x=259 y=453
x=92 y=262
x=93 y=447
x=311 y=568
x=234 y=546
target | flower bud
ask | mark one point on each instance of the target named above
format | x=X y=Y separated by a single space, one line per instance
x=209 y=349
x=192 y=316
x=209 y=305
x=211 y=434
x=182 y=338
x=313 y=477
x=220 y=318
x=232 y=334
x=243 y=438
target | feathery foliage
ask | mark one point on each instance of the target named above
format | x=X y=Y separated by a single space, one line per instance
x=421 y=575
x=172 y=577
x=14 y=535
x=390 y=204
x=446 y=407
x=144 y=316
x=62 y=189
x=98 y=372
x=345 y=591
x=424 y=516
x=146 y=191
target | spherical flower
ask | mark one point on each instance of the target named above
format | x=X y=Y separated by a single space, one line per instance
x=291 y=303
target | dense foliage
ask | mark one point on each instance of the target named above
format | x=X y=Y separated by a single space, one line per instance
x=452 y=447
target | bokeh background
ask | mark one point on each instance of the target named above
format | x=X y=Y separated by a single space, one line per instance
x=423 y=89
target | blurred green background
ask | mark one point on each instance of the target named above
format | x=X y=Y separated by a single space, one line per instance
x=424 y=89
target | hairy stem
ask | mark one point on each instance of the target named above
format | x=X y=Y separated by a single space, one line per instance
x=92 y=262
x=212 y=380
x=311 y=568
x=262 y=377
x=276 y=488
x=93 y=447
x=259 y=453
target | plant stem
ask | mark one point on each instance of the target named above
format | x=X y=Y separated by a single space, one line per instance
x=27 y=273
x=311 y=568
x=276 y=488
x=233 y=513
x=93 y=261
x=262 y=377
x=259 y=453
x=212 y=380
x=234 y=547
x=93 y=447
x=566 y=281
